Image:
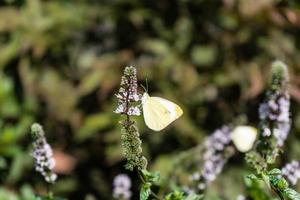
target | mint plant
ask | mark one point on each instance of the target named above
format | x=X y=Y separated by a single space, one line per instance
x=44 y=161
x=129 y=101
x=273 y=130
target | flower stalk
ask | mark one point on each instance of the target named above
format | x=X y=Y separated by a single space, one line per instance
x=128 y=105
x=43 y=157
x=274 y=117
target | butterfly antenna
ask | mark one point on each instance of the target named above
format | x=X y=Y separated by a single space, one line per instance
x=147 y=84
x=145 y=88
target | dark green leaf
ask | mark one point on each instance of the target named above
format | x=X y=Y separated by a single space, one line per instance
x=145 y=191
x=152 y=177
x=291 y=194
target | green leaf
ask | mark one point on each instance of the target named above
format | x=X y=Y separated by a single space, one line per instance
x=145 y=191
x=282 y=184
x=252 y=177
x=203 y=55
x=194 y=197
x=291 y=194
x=275 y=172
x=175 y=195
x=152 y=177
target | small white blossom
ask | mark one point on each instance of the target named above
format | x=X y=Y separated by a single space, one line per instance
x=120 y=109
x=128 y=93
x=134 y=111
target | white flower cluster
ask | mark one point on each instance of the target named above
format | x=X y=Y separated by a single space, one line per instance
x=241 y=197
x=121 y=187
x=43 y=155
x=276 y=111
x=292 y=171
x=213 y=157
x=128 y=93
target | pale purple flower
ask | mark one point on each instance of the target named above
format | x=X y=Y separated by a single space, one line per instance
x=128 y=93
x=43 y=155
x=134 y=111
x=275 y=116
x=292 y=171
x=121 y=187
x=274 y=113
x=213 y=157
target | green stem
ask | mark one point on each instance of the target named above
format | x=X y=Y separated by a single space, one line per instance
x=278 y=193
x=49 y=193
x=144 y=182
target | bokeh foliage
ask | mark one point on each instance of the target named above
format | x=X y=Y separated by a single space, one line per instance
x=61 y=63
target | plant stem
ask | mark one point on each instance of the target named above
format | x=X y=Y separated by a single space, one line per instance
x=49 y=193
x=144 y=182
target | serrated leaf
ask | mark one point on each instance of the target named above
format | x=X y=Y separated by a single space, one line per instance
x=275 y=172
x=152 y=177
x=145 y=191
x=291 y=194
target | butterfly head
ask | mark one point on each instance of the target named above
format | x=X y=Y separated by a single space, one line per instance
x=145 y=97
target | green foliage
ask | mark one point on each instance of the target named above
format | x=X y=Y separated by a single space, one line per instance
x=132 y=149
x=274 y=180
x=268 y=147
x=178 y=195
x=281 y=186
x=148 y=179
x=145 y=191
x=151 y=177
x=279 y=77
x=255 y=188
x=61 y=62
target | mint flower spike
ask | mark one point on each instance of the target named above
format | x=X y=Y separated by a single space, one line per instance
x=42 y=154
x=128 y=93
x=128 y=105
x=217 y=151
x=274 y=113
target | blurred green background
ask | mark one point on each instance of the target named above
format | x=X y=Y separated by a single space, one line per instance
x=61 y=62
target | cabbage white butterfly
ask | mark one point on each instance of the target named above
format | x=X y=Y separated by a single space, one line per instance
x=158 y=112
x=243 y=137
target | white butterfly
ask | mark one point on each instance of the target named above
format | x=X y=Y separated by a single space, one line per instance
x=159 y=112
x=243 y=137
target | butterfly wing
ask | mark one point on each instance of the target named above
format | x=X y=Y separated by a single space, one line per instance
x=244 y=137
x=159 y=112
